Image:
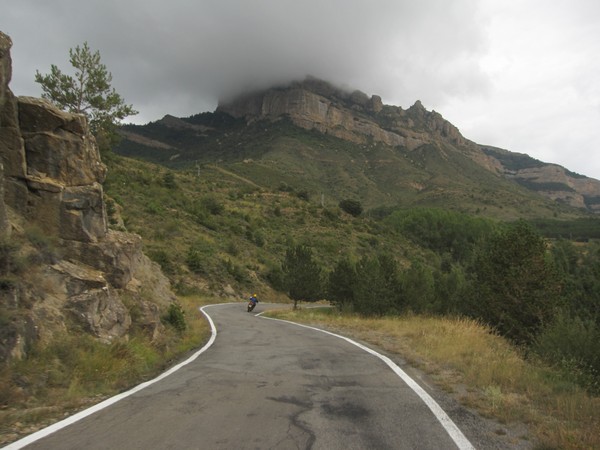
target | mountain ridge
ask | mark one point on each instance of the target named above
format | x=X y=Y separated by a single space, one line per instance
x=364 y=122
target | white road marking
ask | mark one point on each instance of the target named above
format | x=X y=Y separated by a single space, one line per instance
x=457 y=436
x=110 y=401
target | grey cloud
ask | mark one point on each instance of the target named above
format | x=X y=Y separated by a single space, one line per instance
x=179 y=57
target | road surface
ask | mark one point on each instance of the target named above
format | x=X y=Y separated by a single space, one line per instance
x=266 y=384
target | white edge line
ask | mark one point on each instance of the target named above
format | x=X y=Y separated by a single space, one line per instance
x=109 y=401
x=457 y=436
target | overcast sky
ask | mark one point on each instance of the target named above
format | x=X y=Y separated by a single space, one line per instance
x=522 y=75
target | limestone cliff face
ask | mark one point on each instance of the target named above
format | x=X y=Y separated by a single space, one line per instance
x=550 y=180
x=315 y=104
x=353 y=116
x=558 y=184
x=51 y=179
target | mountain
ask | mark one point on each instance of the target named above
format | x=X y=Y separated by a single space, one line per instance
x=343 y=144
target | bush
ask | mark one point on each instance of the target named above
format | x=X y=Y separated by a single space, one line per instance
x=47 y=246
x=212 y=205
x=175 y=317
x=195 y=260
x=164 y=261
x=352 y=207
x=237 y=272
x=571 y=343
x=303 y=195
x=169 y=180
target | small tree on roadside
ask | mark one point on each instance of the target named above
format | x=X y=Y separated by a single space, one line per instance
x=88 y=92
x=302 y=275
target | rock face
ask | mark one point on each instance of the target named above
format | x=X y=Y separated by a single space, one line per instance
x=51 y=179
x=549 y=180
x=355 y=117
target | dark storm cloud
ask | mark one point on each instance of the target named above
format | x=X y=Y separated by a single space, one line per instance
x=519 y=75
x=179 y=57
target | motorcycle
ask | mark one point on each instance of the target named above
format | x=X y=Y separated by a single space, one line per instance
x=251 y=306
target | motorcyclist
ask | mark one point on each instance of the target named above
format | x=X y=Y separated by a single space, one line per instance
x=254 y=299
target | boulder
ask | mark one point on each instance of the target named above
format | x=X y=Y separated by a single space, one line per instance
x=37 y=115
x=375 y=104
x=83 y=214
x=58 y=144
x=99 y=312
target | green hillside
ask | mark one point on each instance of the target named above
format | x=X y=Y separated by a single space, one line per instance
x=273 y=154
x=237 y=229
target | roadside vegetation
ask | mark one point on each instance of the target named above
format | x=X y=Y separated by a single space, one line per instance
x=482 y=370
x=538 y=294
x=448 y=290
x=76 y=371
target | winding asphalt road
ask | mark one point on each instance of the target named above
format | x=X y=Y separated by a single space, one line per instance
x=265 y=384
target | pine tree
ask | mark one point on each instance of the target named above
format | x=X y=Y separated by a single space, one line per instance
x=302 y=275
x=88 y=92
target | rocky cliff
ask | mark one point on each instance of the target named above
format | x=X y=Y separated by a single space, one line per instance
x=550 y=180
x=61 y=267
x=355 y=117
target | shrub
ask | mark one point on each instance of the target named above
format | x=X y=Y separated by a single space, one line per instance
x=164 y=261
x=303 y=195
x=194 y=260
x=212 y=205
x=237 y=272
x=352 y=207
x=331 y=215
x=175 y=317
x=169 y=180
x=46 y=245
x=572 y=344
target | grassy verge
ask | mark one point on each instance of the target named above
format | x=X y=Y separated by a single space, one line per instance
x=75 y=372
x=483 y=370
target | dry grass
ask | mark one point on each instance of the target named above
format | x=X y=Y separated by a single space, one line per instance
x=482 y=369
x=75 y=372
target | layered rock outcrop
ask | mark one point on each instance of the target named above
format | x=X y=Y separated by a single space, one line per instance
x=550 y=180
x=352 y=116
x=355 y=117
x=51 y=179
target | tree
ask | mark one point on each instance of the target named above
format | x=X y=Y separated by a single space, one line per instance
x=88 y=92
x=302 y=275
x=377 y=286
x=418 y=288
x=516 y=287
x=341 y=283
